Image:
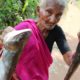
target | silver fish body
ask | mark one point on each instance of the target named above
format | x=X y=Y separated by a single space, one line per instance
x=13 y=45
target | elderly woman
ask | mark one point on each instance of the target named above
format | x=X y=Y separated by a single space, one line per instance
x=35 y=58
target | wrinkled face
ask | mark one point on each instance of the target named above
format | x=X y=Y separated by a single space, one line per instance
x=50 y=15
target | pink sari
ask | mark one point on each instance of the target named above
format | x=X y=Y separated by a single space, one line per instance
x=35 y=58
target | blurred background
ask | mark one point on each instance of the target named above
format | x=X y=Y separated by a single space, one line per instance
x=14 y=11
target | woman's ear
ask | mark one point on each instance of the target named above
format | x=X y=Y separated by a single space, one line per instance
x=38 y=10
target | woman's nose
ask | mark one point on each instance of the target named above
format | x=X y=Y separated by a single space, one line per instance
x=52 y=19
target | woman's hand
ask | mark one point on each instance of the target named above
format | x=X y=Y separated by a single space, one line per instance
x=68 y=57
x=14 y=76
x=4 y=32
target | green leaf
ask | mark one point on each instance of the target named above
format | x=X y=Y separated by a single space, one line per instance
x=25 y=6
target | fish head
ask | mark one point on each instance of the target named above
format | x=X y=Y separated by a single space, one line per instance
x=16 y=39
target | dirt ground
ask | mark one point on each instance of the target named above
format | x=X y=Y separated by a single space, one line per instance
x=71 y=26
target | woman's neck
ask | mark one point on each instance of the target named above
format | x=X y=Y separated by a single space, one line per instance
x=42 y=29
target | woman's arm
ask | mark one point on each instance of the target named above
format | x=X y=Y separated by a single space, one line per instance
x=63 y=46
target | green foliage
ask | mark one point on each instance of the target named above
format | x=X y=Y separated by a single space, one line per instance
x=29 y=8
x=78 y=3
x=14 y=11
x=9 y=12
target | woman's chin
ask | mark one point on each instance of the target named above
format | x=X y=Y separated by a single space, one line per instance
x=50 y=27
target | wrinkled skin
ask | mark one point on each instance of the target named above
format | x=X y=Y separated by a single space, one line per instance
x=12 y=47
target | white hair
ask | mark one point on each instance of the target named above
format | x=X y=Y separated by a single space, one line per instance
x=43 y=3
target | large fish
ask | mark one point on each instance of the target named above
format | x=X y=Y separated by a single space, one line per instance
x=13 y=43
x=75 y=64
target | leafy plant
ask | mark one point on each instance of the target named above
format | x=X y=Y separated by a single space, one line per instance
x=29 y=8
x=14 y=11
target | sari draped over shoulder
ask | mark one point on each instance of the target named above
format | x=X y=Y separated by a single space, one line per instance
x=35 y=58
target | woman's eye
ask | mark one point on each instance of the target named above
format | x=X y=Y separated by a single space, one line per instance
x=58 y=15
x=48 y=13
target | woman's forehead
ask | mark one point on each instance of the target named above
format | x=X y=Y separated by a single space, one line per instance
x=53 y=7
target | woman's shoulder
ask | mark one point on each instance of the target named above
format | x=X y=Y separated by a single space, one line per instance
x=57 y=27
x=24 y=24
